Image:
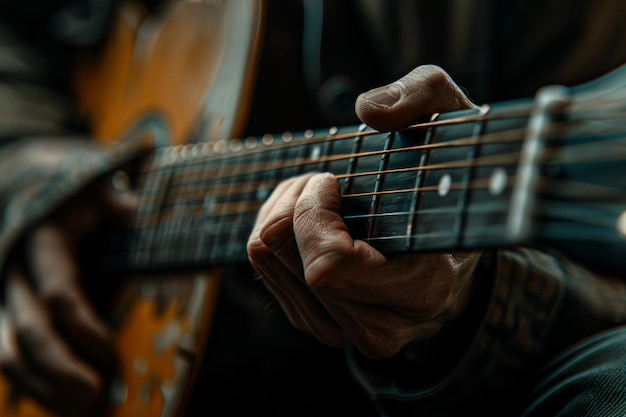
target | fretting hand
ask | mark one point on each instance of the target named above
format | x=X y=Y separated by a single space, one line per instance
x=342 y=290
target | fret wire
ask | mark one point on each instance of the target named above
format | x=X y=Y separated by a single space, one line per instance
x=217 y=212
x=437 y=211
x=485 y=207
x=472 y=155
x=420 y=177
x=378 y=182
x=425 y=125
x=477 y=184
x=352 y=162
x=146 y=239
x=180 y=175
x=497 y=137
x=221 y=190
x=491 y=161
x=578 y=154
x=137 y=239
x=286 y=164
x=329 y=149
x=365 y=133
x=225 y=236
x=299 y=164
x=494 y=160
x=242 y=203
x=252 y=206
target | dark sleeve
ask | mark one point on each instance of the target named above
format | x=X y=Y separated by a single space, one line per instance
x=539 y=304
x=45 y=156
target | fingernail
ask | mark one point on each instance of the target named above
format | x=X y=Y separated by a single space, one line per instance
x=385 y=96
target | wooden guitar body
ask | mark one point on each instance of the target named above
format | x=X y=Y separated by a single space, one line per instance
x=185 y=71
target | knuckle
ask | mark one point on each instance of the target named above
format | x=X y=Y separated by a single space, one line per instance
x=256 y=249
x=437 y=79
x=277 y=230
x=323 y=274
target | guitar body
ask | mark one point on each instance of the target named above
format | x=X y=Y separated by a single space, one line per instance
x=189 y=67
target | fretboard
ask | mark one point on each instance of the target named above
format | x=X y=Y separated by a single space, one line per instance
x=444 y=185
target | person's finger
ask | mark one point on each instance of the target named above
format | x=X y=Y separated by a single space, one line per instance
x=55 y=277
x=426 y=90
x=275 y=224
x=323 y=239
x=304 y=310
x=37 y=360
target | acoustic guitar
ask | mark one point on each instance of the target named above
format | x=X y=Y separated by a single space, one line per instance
x=547 y=172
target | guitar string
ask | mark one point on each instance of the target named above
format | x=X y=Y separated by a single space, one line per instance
x=377 y=173
x=249 y=211
x=487 y=208
x=560 y=188
x=224 y=156
x=509 y=136
x=550 y=154
x=476 y=184
x=249 y=208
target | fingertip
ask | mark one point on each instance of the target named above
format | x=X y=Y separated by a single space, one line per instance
x=426 y=90
x=373 y=107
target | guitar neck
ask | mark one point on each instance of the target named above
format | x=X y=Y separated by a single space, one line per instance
x=441 y=186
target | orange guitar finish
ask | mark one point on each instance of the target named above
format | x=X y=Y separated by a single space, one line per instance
x=191 y=64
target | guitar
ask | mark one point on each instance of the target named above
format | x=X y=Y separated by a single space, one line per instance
x=546 y=172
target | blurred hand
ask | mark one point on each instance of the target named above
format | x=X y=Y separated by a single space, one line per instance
x=53 y=346
x=342 y=290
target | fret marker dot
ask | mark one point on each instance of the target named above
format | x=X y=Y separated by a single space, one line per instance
x=308 y=134
x=287 y=137
x=268 y=140
x=497 y=181
x=185 y=152
x=194 y=151
x=250 y=143
x=221 y=146
x=235 y=145
x=621 y=224
x=444 y=185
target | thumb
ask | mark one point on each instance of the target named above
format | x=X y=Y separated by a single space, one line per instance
x=426 y=90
